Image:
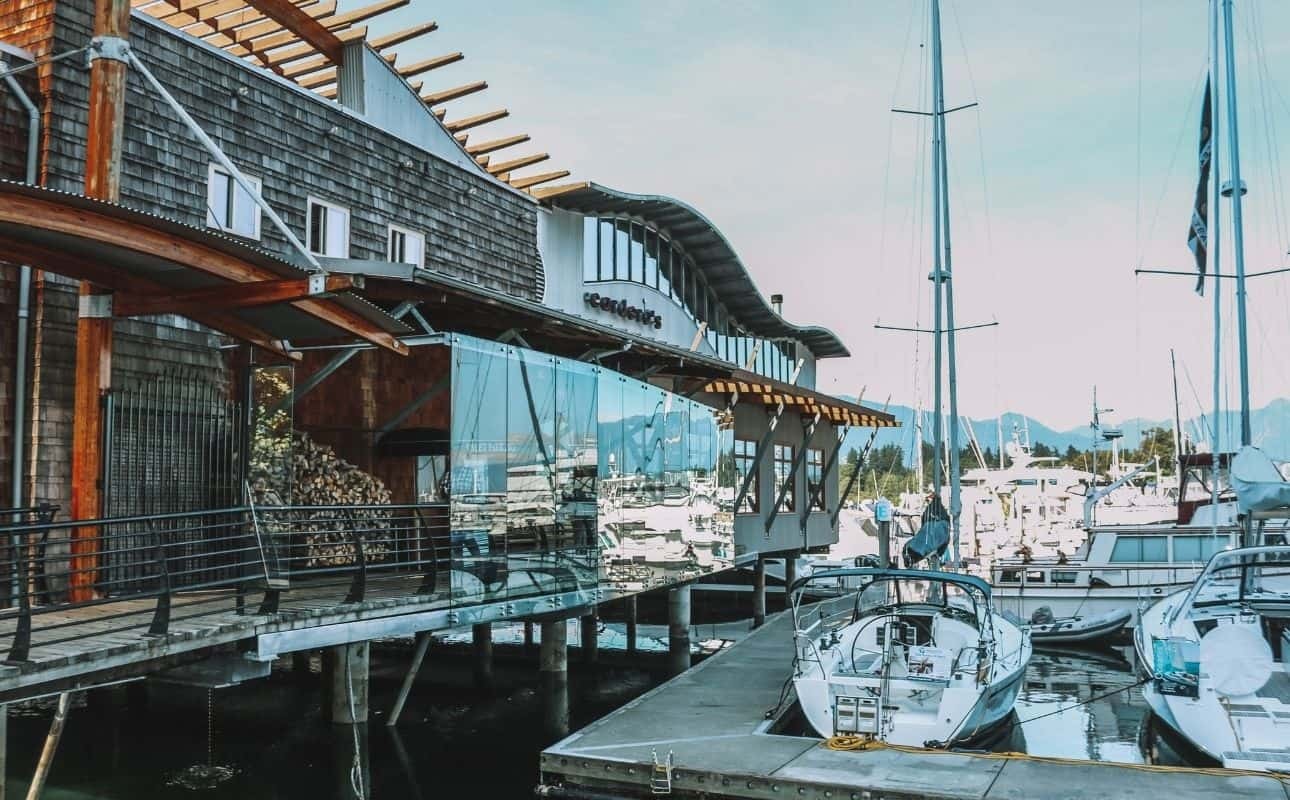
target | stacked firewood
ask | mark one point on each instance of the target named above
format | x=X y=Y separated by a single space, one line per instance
x=324 y=538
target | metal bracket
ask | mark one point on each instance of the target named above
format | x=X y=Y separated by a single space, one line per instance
x=96 y=306
x=113 y=48
x=317 y=282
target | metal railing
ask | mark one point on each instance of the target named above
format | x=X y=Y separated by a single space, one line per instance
x=153 y=571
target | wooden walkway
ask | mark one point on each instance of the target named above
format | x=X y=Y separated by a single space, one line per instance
x=77 y=647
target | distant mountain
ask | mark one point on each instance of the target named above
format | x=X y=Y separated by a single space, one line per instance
x=1270 y=429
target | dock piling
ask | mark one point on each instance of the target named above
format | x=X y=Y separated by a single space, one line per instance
x=554 y=672
x=630 y=613
x=759 y=592
x=349 y=676
x=589 y=629
x=678 y=629
x=482 y=638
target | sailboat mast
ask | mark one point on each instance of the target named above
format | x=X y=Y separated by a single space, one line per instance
x=1215 y=250
x=946 y=275
x=1238 y=239
x=938 y=335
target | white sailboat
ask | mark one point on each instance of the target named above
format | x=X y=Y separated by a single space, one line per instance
x=913 y=656
x=1215 y=654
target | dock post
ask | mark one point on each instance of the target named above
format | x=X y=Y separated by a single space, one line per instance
x=482 y=637
x=630 y=612
x=790 y=573
x=589 y=630
x=553 y=669
x=759 y=592
x=4 y=747
x=348 y=677
x=300 y=666
x=678 y=629
x=528 y=636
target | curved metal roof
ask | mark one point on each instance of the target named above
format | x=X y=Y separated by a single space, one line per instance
x=712 y=253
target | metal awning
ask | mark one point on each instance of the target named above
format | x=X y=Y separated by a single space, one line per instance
x=712 y=254
x=156 y=265
x=759 y=389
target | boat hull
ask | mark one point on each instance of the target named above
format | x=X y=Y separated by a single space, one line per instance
x=1087 y=631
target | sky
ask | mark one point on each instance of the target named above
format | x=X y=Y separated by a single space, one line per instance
x=1078 y=165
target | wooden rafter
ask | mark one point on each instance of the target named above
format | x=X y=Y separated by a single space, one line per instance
x=534 y=180
x=518 y=163
x=226 y=298
x=430 y=63
x=496 y=144
x=267 y=27
x=466 y=123
x=551 y=191
x=299 y=22
x=405 y=35
x=435 y=98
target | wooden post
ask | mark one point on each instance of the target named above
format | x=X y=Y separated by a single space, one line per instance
x=94 y=324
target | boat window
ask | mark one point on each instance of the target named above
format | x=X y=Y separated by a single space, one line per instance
x=1129 y=549
x=1063 y=576
x=1198 y=547
x=1052 y=481
x=1023 y=482
x=1035 y=576
x=1010 y=576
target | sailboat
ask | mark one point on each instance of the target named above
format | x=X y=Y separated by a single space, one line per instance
x=912 y=656
x=1215 y=654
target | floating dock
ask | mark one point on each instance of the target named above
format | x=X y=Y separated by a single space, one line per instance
x=712 y=722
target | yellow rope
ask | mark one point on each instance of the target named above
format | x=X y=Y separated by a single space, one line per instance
x=860 y=743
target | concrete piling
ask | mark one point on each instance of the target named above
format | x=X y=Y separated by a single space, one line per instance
x=678 y=629
x=759 y=592
x=482 y=638
x=553 y=670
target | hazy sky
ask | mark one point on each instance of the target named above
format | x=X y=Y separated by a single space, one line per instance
x=773 y=118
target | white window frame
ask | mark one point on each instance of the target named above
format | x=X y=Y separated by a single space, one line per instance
x=312 y=201
x=407 y=232
x=211 y=222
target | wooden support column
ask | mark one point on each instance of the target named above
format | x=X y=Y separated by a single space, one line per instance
x=94 y=324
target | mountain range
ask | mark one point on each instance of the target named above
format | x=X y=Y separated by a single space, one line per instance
x=1270 y=429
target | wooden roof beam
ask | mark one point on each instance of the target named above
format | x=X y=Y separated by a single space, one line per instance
x=534 y=180
x=322 y=77
x=518 y=163
x=298 y=21
x=435 y=98
x=365 y=13
x=225 y=297
x=496 y=144
x=466 y=123
x=564 y=188
x=304 y=50
x=268 y=27
x=407 y=34
x=429 y=64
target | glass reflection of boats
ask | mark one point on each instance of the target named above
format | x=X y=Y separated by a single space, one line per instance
x=914 y=657
x=1218 y=659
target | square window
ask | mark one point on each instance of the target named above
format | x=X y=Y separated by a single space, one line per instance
x=784 y=476
x=745 y=455
x=814 y=478
x=328 y=229
x=406 y=247
x=229 y=207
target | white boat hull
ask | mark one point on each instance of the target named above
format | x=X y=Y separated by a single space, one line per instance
x=1081 y=601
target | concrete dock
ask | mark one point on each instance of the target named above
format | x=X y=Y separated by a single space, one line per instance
x=712 y=720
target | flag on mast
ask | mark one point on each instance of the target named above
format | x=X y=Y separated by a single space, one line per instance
x=1198 y=233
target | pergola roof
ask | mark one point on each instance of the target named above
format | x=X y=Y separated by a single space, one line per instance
x=156 y=266
x=757 y=388
x=303 y=41
x=712 y=253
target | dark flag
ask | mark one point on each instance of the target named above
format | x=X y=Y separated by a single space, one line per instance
x=1198 y=233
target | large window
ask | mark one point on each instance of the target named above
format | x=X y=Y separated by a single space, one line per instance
x=784 y=476
x=814 y=478
x=229 y=207
x=407 y=247
x=1139 y=549
x=1198 y=548
x=328 y=229
x=745 y=456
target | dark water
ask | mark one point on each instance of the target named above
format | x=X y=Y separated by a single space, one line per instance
x=270 y=735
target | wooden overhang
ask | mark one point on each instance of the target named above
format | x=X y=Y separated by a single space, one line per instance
x=713 y=254
x=754 y=388
x=451 y=304
x=155 y=265
x=304 y=41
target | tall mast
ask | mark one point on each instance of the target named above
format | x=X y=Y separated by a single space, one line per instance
x=956 y=505
x=938 y=432
x=1212 y=245
x=1238 y=238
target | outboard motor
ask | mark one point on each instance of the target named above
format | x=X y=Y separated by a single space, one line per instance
x=1042 y=616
